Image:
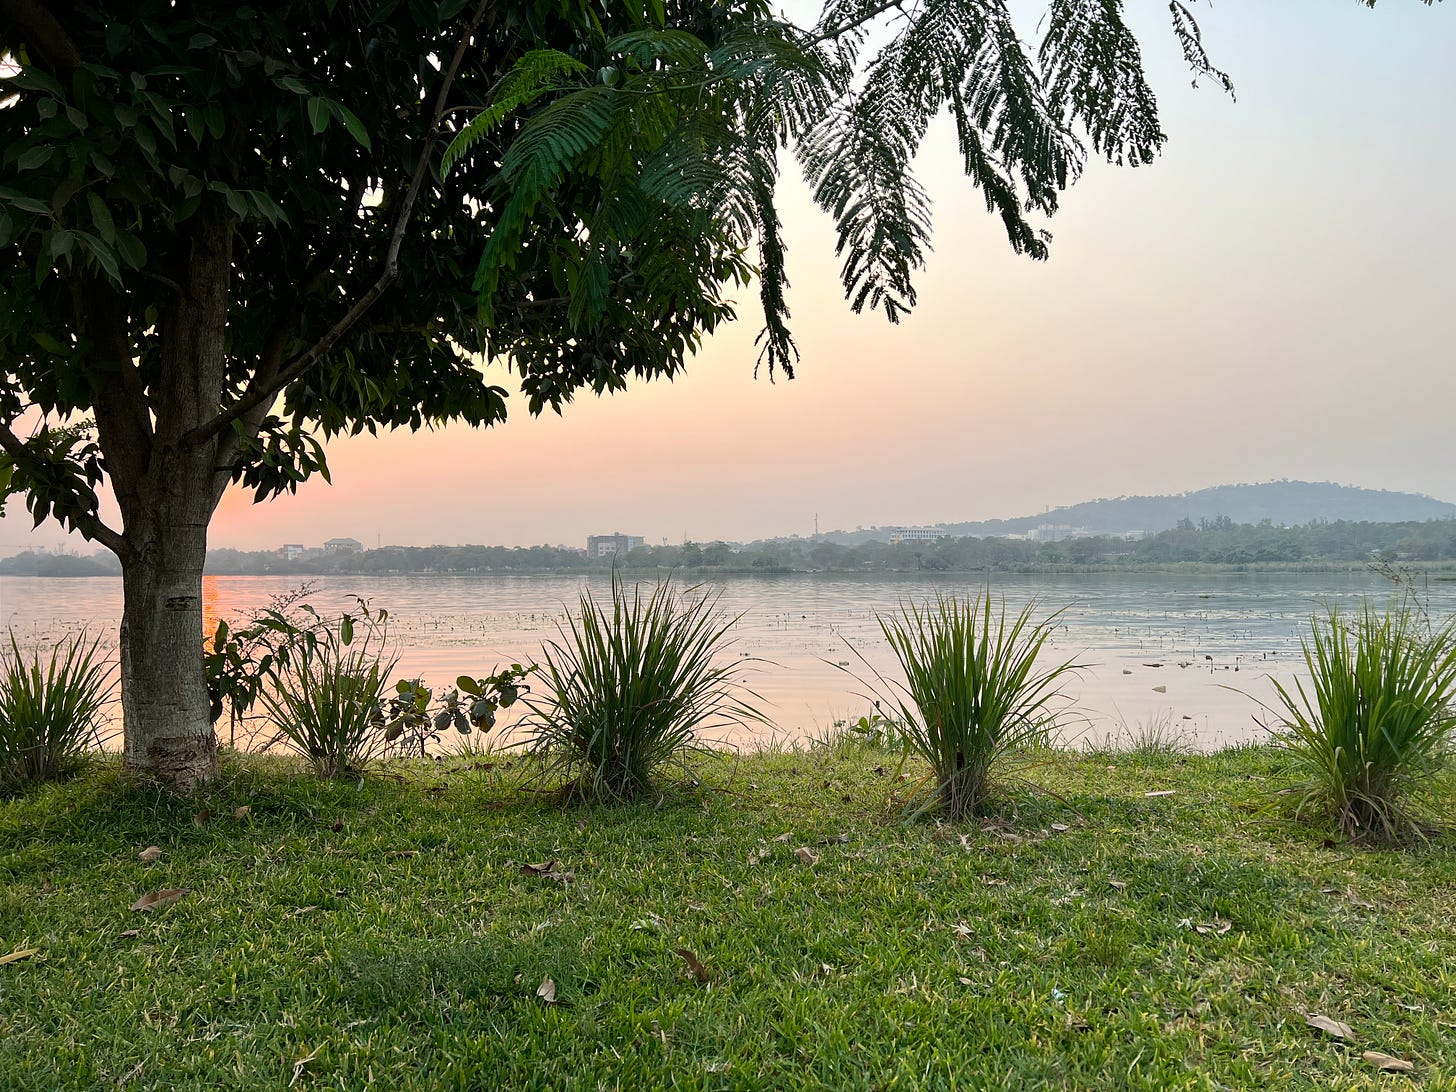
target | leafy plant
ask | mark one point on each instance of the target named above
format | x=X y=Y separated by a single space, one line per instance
x=49 y=709
x=326 y=697
x=633 y=684
x=1376 y=721
x=470 y=703
x=239 y=657
x=973 y=689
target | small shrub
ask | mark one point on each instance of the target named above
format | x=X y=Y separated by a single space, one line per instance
x=49 y=711
x=1377 y=721
x=973 y=690
x=327 y=698
x=631 y=685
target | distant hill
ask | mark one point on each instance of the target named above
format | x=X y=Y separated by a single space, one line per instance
x=1284 y=503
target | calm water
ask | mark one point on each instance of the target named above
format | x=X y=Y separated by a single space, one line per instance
x=1211 y=642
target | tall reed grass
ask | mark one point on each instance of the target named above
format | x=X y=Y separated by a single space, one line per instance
x=326 y=698
x=1376 y=722
x=973 y=691
x=631 y=685
x=50 y=709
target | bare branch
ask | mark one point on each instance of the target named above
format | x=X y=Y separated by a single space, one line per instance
x=261 y=393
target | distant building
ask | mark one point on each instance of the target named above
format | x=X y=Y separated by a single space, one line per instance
x=343 y=546
x=915 y=534
x=612 y=545
x=1056 y=532
x=292 y=551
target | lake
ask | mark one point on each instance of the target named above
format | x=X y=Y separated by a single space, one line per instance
x=1194 y=651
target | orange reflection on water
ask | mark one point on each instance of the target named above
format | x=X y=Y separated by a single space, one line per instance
x=212 y=599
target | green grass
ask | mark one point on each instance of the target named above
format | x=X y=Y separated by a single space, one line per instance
x=385 y=936
x=632 y=686
x=49 y=708
x=1377 y=721
x=973 y=691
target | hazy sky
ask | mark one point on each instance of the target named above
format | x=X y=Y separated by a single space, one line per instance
x=1271 y=299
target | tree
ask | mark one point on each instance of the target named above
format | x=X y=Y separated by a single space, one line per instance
x=229 y=233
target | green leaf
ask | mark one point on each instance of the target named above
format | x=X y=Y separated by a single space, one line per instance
x=346 y=630
x=61 y=243
x=468 y=685
x=35 y=157
x=105 y=256
x=318 y=113
x=23 y=202
x=353 y=124
x=131 y=250
x=101 y=219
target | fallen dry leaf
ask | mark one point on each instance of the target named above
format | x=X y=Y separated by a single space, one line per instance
x=19 y=954
x=834 y=839
x=1328 y=1026
x=130 y=934
x=785 y=836
x=158 y=899
x=1387 y=1062
x=337 y=826
x=806 y=856
x=1060 y=828
x=1161 y=792
x=548 y=870
x=963 y=931
x=757 y=856
x=1119 y=884
x=201 y=818
x=547 y=991
x=150 y=854
x=243 y=812
x=694 y=964
x=1160 y=690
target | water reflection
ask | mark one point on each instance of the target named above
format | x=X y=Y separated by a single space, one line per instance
x=1196 y=650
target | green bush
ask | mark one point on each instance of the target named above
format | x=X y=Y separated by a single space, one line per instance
x=973 y=690
x=49 y=711
x=326 y=697
x=1376 y=722
x=631 y=685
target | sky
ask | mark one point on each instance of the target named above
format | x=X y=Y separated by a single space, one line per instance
x=1270 y=299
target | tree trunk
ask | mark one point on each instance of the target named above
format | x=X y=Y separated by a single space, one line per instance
x=167 y=489
x=164 y=697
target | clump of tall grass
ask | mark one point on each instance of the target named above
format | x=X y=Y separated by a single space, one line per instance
x=49 y=709
x=1156 y=737
x=326 y=698
x=973 y=691
x=1377 y=721
x=631 y=685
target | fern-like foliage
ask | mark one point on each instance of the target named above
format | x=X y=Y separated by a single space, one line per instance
x=1094 y=75
x=663 y=130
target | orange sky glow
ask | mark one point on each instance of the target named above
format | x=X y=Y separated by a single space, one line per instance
x=1272 y=299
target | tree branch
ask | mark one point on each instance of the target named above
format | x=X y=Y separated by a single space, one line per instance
x=260 y=393
x=87 y=523
x=858 y=21
x=43 y=33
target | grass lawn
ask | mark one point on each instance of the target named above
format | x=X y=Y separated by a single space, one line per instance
x=387 y=936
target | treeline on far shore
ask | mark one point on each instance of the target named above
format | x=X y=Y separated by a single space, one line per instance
x=1219 y=543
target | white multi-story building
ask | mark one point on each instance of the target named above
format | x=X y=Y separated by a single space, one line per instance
x=915 y=534
x=612 y=545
